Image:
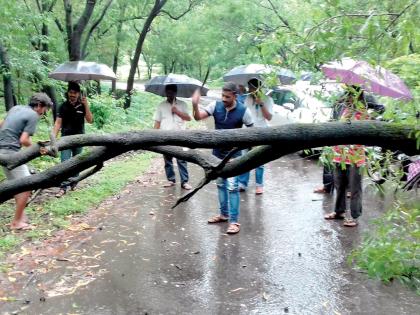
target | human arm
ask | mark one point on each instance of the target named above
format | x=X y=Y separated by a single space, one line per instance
x=181 y=114
x=266 y=107
x=88 y=113
x=198 y=113
x=25 y=139
x=57 y=125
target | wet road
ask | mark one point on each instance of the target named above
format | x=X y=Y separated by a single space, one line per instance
x=148 y=259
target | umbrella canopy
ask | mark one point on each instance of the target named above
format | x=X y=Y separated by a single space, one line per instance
x=186 y=85
x=82 y=70
x=242 y=74
x=376 y=80
x=286 y=76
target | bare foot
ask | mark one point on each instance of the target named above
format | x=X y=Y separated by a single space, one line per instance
x=20 y=225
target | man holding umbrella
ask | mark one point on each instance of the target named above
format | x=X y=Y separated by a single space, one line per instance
x=70 y=120
x=172 y=114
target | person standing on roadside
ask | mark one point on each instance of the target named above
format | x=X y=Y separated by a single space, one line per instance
x=15 y=132
x=70 y=120
x=261 y=109
x=227 y=114
x=349 y=160
x=172 y=114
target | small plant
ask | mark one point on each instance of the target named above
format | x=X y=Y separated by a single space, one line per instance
x=392 y=250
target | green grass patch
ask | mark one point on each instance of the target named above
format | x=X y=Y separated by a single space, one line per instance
x=392 y=250
x=54 y=213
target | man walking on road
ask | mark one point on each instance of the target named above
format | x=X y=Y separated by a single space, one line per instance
x=227 y=114
x=172 y=114
x=16 y=131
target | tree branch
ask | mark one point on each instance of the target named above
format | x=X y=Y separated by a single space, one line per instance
x=94 y=26
x=190 y=7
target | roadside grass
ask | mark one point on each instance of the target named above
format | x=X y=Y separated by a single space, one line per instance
x=391 y=251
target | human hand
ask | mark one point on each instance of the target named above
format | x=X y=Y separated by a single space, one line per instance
x=43 y=151
x=196 y=97
x=84 y=101
x=174 y=109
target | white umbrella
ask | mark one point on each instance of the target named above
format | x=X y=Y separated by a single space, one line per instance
x=186 y=86
x=81 y=71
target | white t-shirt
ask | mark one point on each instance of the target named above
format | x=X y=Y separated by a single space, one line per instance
x=256 y=113
x=169 y=120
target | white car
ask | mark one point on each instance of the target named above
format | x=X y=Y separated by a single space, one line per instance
x=300 y=103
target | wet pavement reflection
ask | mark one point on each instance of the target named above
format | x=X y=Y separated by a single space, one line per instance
x=150 y=259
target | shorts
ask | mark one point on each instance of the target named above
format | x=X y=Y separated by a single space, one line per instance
x=17 y=172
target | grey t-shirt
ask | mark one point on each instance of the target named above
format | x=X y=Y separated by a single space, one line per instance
x=19 y=119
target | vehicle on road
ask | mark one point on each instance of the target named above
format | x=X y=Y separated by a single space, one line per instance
x=301 y=103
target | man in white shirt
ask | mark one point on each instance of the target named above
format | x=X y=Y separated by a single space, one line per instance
x=261 y=108
x=172 y=114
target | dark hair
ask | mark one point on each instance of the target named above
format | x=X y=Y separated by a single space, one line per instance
x=40 y=98
x=171 y=87
x=230 y=87
x=254 y=83
x=73 y=86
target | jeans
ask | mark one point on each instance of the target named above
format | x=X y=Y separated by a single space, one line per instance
x=228 y=192
x=328 y=179
x=169 y=169
x=67 y=155
x=353 y=177
x=259 y=176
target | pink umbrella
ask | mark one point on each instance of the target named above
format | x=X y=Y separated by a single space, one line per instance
x=376 y=80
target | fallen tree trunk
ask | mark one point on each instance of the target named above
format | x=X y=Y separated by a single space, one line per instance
x=273 y=143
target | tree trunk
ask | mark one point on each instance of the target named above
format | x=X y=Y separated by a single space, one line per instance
x=9 y=97
x=75 y=32
x=270 y=144
x=117 y=51
x=146 y=27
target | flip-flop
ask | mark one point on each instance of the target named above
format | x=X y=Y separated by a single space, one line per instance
x=350 y=222
x=217 y=219
x=334 y=216
x=233 y=228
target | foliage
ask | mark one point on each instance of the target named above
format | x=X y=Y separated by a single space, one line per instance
x=392 y=251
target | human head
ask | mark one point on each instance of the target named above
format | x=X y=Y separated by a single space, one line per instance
x=254 y=85
x=171 y=91
x=73 y=92
x=229 y=92
x=40 y=102
x=241 y=89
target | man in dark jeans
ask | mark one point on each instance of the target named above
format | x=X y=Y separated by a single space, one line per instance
x=70 y=120
x=172 y=114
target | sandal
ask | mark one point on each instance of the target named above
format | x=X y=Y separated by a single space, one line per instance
x=186 y=186
x=233 y=228
x=320 y=190
x=334 y=216
x=350 y=222
x=169 y=184
x=217 y=219
x=60 y=193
